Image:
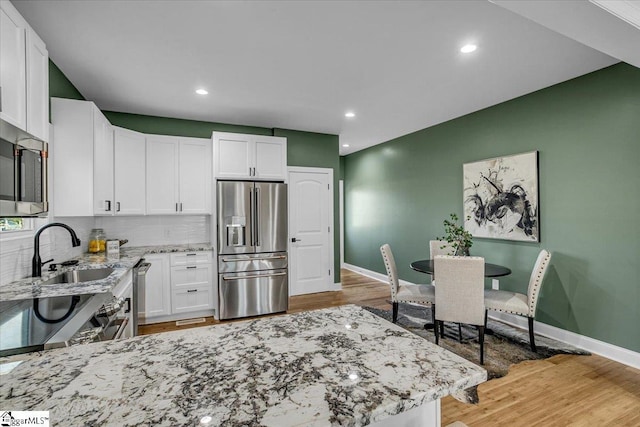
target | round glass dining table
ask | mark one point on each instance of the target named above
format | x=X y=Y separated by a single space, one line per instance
x=490 y=270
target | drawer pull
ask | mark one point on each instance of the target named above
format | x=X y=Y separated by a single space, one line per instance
x=192 y=290
x=192 y=254
x=192 y=266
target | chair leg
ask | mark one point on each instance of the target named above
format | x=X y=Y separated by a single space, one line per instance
x=435 y=322
x=395 y=312
x=459 y=332
x=486 y=312
x=532 y=339
x=481 y=339
x=435 y=327
x=442 y=329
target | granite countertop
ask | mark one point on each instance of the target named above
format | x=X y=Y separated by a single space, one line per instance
x=32 y=288
x=335 y=366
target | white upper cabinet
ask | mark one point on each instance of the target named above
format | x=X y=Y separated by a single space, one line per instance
x=242 y=156
x=195 y=176
x=13 y=68
x=24 y=74
x=178 y=175
x=162 y=175
x=129 y=172
x=37 y=86
x=103 y=198
x=81 y=159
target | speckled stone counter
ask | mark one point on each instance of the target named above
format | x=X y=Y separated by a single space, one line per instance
x=30 y=288
x=337 y=366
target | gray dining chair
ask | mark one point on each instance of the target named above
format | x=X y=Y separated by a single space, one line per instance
x=460 y=293
x=406 y=293
x=517 y=303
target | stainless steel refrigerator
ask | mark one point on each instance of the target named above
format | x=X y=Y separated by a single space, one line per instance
x=252 y=248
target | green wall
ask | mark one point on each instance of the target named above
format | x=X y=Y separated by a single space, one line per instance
x=60 y=86
x=587 y=131
x=318 y=150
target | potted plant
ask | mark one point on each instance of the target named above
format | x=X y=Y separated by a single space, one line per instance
x=457 y=236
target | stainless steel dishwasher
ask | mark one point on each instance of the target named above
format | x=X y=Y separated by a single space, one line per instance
x=139 y=283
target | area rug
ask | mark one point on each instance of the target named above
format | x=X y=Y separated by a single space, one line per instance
x=505 y=347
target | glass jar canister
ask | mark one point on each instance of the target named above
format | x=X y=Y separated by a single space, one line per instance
x=97 y=241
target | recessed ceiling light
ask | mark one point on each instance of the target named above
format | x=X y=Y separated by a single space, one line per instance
x=345 y=145
x=468 y=48
x=350 y=114
x=202 y=92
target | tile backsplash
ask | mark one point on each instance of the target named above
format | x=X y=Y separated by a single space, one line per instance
x=157 y=230
x=16 y=251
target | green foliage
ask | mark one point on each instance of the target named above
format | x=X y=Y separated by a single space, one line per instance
x=456 y=235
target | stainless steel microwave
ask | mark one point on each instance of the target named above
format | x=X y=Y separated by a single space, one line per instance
x=23 y=173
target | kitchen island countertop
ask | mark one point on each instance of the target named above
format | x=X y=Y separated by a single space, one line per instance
x=33 y=288
x=336 y=366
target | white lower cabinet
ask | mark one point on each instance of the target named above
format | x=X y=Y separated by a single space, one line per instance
x=185 y=288
x=157 y=292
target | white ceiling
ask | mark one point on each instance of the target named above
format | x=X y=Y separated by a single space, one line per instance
x=302 y=65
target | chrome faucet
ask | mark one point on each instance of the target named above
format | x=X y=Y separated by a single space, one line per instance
x=36 y=262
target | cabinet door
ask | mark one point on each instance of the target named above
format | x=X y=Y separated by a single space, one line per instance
x=162 y=175
x=155 y=298
x=129 y=160
x=72 y=157
x=13 y=77
x=233 y=155
x=270 y=158
x=37 y=86
x=195 y=176
x=103 y=203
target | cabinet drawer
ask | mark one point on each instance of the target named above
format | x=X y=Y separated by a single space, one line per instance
x=190 y=276
x=191 y=299
x=190 y=258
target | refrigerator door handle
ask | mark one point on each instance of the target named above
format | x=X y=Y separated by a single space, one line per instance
x=257 y=215
x=251 y=217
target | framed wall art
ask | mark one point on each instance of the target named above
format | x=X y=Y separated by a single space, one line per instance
x=501 y=198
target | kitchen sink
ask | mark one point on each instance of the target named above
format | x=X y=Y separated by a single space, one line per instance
x=77 y=276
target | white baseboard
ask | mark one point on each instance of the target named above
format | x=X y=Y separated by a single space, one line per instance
x=337 y=286
x=610 y=351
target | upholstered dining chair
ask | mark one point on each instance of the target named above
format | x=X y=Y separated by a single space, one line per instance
x=521 y=304
x=460 y=293
x=442 y=247
x=421 y=294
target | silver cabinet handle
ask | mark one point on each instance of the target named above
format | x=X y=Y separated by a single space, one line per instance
x=253 y=259
x=253 y=277
x=191 y=254
x=192 y=266
x=108 y=205
x=176 y=207
x=192 y=290
x=295 y=239
x=180 y=206
x=117 y=206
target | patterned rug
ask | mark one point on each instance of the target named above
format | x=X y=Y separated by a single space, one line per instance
x=505 y=347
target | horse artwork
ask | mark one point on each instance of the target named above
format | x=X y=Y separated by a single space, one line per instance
x=501 y=198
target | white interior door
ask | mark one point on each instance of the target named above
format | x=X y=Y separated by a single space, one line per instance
x=310 y=220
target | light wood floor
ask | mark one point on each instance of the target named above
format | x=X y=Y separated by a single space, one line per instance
x=564 y=390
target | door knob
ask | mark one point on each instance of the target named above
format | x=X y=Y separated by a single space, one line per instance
x=293 y=240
